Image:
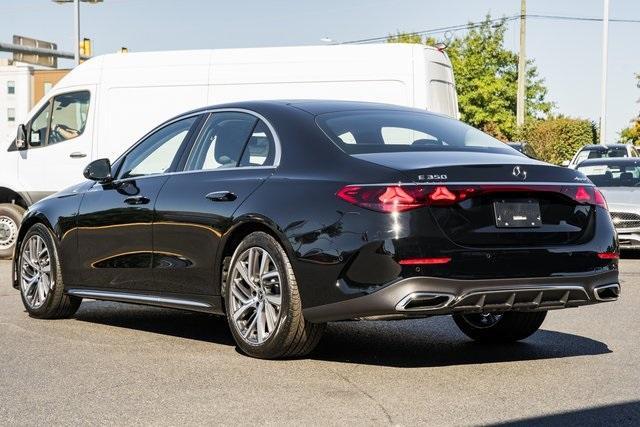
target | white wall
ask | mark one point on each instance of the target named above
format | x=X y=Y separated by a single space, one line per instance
x=20 y=101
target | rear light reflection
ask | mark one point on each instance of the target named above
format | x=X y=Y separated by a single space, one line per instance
x=609 y=255
x=425 y=261
x=400 y=198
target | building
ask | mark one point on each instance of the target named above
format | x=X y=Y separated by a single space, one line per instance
x=21 y=87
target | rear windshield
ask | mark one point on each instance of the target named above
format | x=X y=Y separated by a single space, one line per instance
x=613 y=175
x=376 y=131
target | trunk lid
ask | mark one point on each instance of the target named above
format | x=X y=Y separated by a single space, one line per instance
x=506 y=200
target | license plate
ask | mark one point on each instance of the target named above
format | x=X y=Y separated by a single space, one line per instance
x=517 y=214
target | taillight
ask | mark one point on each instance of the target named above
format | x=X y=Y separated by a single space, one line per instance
x=400 y=198
x=609 y=255
x=425 y=261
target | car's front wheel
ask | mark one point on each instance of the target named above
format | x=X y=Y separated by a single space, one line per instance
x=40 y=279
x=263 y=304
x=500 y=327
x=10 y=219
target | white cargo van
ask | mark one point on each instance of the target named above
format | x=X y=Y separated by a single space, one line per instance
x=106 y=104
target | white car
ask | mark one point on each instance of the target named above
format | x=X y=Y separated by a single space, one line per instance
x=599 y=151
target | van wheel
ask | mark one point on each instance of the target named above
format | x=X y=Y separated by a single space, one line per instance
x=500 y=327
x=10 y=220
x=263 y=304
x=40 y=278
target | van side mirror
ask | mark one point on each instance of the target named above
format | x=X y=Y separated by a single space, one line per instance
x=99 y=170
x=21 y=137
x=566 y=163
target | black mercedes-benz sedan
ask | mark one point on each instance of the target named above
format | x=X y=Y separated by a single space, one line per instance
x=285 y=215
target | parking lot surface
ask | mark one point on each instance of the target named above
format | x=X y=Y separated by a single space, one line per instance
x=123 y=364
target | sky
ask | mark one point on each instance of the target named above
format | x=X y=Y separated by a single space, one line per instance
x=567 y=54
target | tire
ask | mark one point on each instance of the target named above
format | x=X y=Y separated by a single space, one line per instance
x=50 y=302
x=10 y=220
x=502 y=328
x=286 y=335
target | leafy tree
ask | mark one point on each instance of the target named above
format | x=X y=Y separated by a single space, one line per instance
x=486 y=79
x=558 y=138
x=631 y=134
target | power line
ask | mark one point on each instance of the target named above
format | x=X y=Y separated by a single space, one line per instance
x=502 y=20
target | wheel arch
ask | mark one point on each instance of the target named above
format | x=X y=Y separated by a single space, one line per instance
x=7 y=195
x=242 y=227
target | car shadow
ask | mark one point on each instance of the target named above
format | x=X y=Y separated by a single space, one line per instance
x=436 y=342
x=430 y=342
x=621 y=414
x=176 y=323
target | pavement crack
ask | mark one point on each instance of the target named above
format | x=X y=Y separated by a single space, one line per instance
x=367 y=395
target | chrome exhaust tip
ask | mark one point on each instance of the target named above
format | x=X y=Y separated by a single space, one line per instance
x=607 y=292
x=424 y=301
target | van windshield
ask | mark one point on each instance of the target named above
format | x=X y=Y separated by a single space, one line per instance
x=379 y=131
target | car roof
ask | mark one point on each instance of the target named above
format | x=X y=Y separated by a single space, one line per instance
x=603 y=146
x=610 y=161
x=312 y=106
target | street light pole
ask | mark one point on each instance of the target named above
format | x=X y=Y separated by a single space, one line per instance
x=76 y=7
x=522 y=66
x=603 y=83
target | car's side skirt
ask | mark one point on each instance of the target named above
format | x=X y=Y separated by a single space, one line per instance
x=205 y=304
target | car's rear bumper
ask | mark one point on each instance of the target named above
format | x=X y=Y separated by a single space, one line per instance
x=426 y=296
x=629 y=239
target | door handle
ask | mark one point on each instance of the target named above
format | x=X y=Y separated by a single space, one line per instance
x=221 y=196
x=136 y=200
x=77 y=155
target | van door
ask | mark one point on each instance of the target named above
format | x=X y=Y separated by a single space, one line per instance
x=59 y=140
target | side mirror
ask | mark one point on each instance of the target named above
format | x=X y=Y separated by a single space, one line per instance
x=99 y=170
x=566 y=163
x=21 y=137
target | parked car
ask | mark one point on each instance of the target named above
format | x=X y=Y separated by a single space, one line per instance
x=599 y=151
x=619 y=180
x=288 y=215
x=96 y=110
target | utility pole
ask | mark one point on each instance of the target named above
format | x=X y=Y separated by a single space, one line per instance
x=522 y=66
x=603 y=83
x=76 y=17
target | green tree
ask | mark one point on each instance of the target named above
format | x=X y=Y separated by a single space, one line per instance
x=631 y=134
x=486 y=79
x=557 y=138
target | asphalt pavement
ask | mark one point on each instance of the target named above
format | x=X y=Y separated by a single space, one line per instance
x=119 y=364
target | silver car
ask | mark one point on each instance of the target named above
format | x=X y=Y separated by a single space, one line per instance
x=619 y=181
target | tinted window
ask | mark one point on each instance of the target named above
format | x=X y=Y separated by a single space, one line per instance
x=260 y=150
x=156 y=153
x=370 y=131
x=221 y=141
x=69 y=116
x=613 y=174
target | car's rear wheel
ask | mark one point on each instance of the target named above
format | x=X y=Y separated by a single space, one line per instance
x=500 y=327
x=263 y=304
x=40 y=279
x=10 y=219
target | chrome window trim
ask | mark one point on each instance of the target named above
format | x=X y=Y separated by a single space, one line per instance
x=276 y=141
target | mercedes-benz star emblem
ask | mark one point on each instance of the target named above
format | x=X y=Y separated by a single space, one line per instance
x=519 y=172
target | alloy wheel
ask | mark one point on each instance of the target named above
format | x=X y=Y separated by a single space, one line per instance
x=35 y=272
x=8 y=232
x=255 y=295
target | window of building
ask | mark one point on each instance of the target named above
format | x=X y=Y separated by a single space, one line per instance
x=11 y=114
x=11 y=87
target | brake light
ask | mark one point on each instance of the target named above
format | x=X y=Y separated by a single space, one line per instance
x=400 y=198
x=425 y=261
x=609 y=255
